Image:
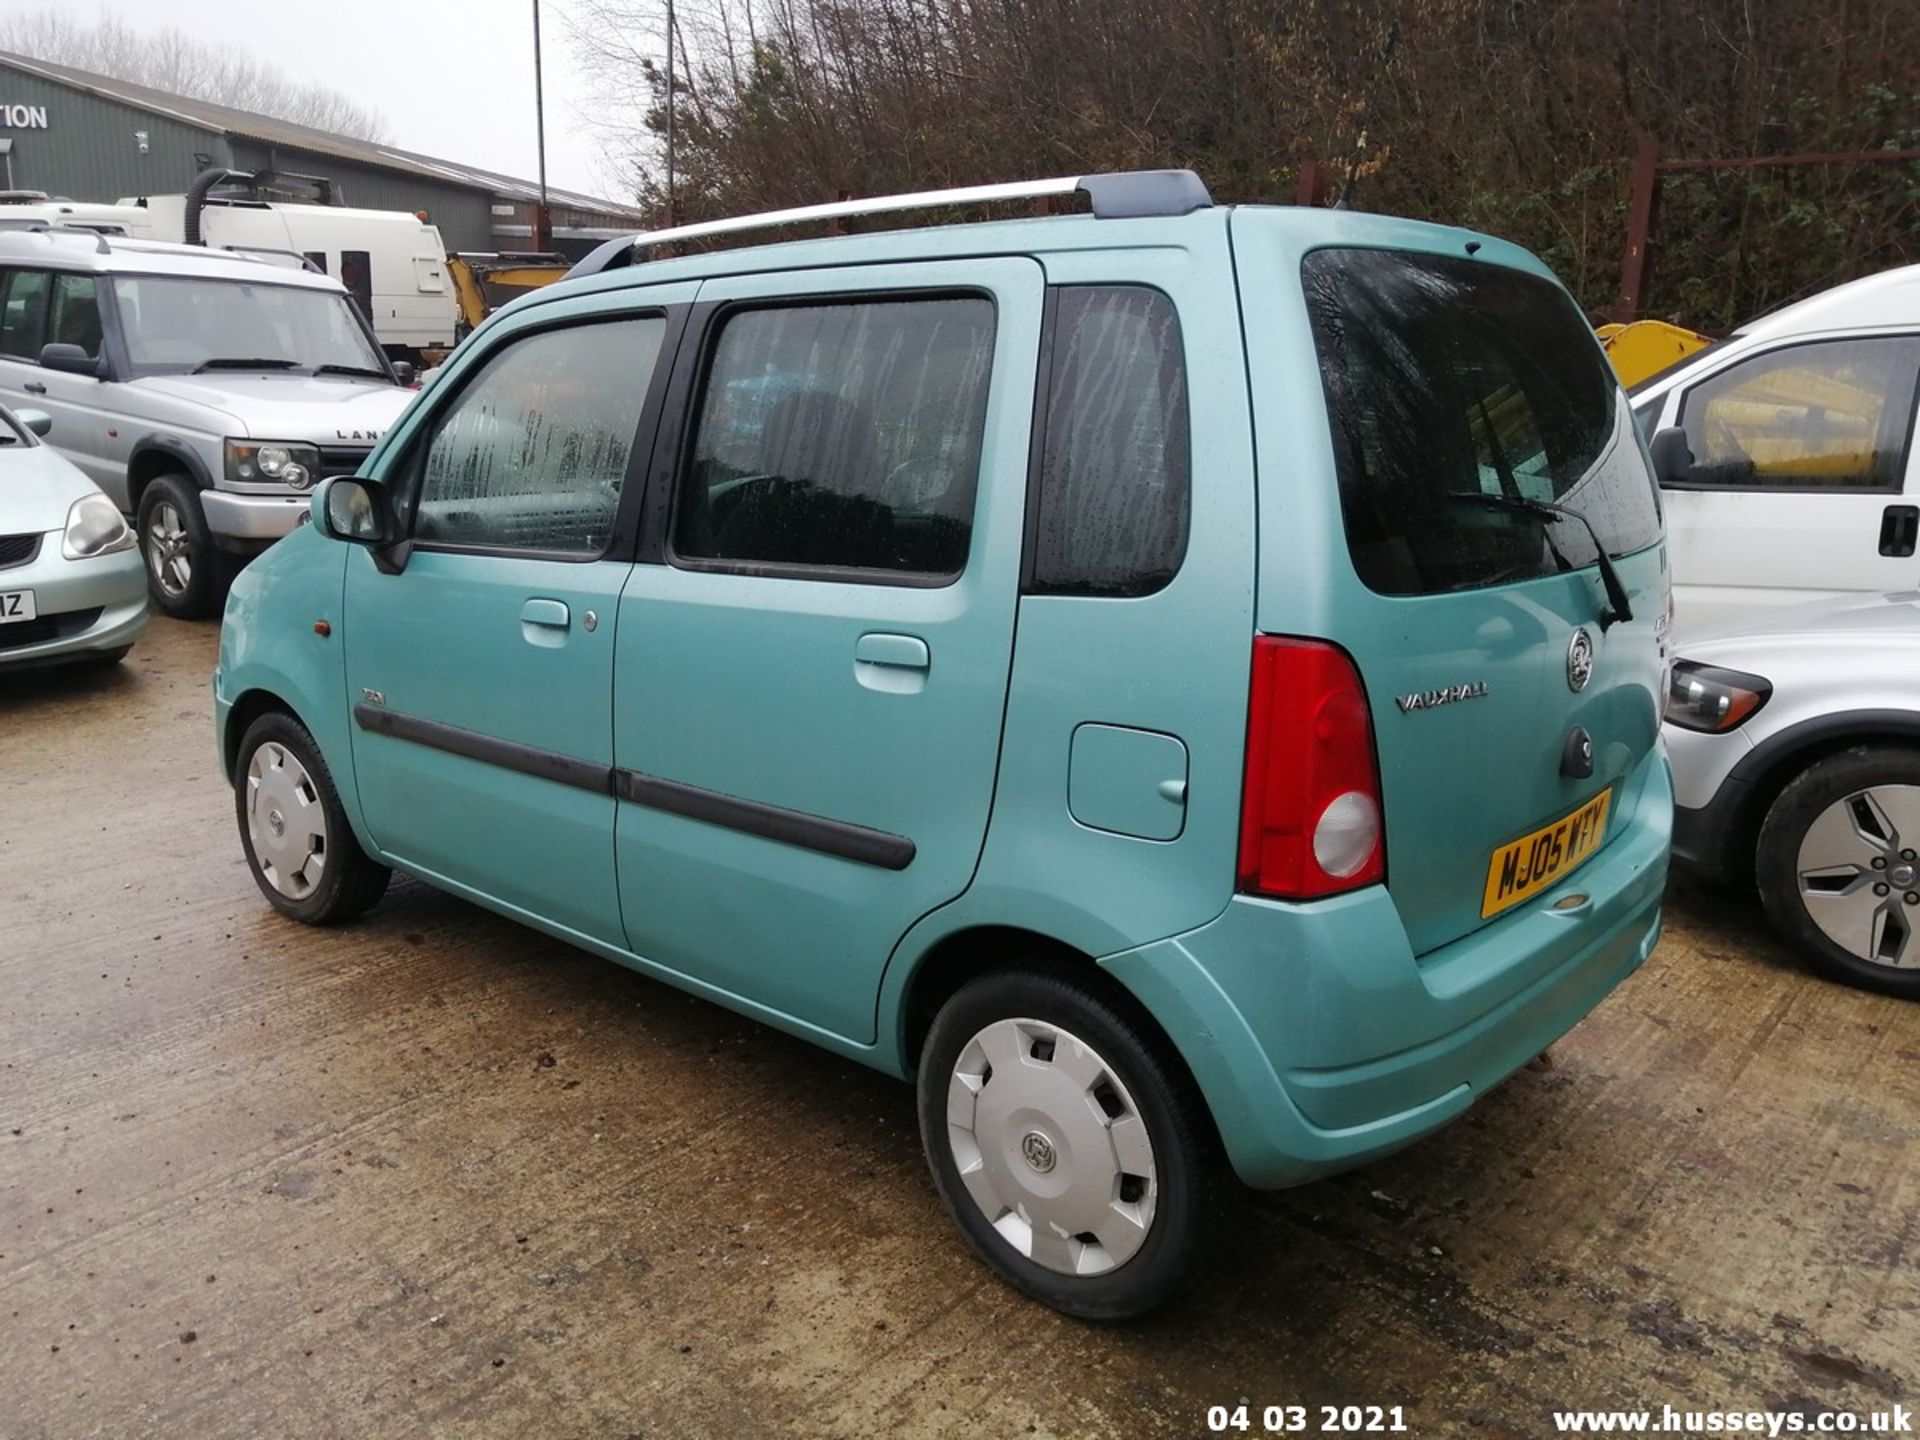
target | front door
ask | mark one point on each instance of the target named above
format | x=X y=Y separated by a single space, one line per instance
x=1801 y=484
x=481 y=676
x=813 y=655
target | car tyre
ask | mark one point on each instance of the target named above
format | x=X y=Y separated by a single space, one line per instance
x=107 y=659
x=1087 y=1180
x=1838 y=858
x=284 y=800
x=186 y=571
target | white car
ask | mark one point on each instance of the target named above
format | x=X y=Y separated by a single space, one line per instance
x=71 y=584
x=1795 y=744
x=1798 y=477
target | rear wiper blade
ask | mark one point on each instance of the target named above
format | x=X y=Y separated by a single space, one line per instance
x=351 y=370
x=1546 y=510
x=243 y=363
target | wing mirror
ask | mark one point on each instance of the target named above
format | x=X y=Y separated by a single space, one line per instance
x=404 y=372
x=69 y=360
x=1672 y=456
x=359 y=512
x=38 y=422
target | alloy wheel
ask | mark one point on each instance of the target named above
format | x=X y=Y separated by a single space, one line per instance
x=169 y=549
x=1860 y=876
x=1050 y=1145
x=286 y=821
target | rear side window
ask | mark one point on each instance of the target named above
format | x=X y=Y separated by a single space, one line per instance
x=1833 y=415
x=532 y=455
x=845 y=436
x=23 y=314
x=1115 y=462
x=75 y=315
x=1448 y=378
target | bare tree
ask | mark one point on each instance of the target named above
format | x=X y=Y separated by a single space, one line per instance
x=173 y=61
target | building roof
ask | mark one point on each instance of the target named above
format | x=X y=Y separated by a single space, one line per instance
x=227 y=120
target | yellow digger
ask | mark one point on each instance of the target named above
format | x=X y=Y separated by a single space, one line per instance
x=1643 y=348
x=483 y=282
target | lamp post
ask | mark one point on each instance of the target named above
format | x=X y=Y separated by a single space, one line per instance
x=542 y=221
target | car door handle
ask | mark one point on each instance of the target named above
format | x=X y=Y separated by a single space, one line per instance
x=1899 y=529
x=34 y=387
x=894 y=664
x=545 y=622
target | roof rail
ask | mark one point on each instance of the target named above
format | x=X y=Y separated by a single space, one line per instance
x=1121 y=195
x=99 y=238
x=254 y=252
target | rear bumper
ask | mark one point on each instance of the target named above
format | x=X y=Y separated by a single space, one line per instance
x=85 y=607
x=1321 y=1042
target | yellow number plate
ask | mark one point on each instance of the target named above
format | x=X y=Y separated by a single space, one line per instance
x=1533 y=862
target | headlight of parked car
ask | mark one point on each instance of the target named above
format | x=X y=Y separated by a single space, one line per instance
x=94 y=527
x=1705 y=697
x=272 y=462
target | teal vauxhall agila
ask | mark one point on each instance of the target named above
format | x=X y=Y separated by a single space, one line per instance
x=1179 y=682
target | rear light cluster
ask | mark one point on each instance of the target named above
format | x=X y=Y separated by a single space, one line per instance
x=1310 y=819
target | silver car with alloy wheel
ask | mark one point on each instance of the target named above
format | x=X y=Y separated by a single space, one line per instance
x=71 y=583
x=1795 y=742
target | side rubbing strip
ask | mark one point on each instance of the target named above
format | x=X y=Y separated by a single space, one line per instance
x=773 y=822
x=792 y=827
x=509 y=755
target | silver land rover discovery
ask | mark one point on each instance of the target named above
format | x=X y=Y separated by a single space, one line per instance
x=206 y=392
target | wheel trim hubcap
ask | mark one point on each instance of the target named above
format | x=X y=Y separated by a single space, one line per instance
x=286 y=823
x=1051 y=1147
x=1858 y=875
x=169 y=552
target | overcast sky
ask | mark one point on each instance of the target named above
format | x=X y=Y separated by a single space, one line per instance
x=454 y=78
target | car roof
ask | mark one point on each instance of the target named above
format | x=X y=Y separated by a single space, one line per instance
x=74 y=248
x=1890 y=298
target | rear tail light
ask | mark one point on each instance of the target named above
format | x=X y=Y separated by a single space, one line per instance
x=1310 y=818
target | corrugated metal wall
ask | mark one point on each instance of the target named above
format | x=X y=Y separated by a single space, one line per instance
x=89 y=150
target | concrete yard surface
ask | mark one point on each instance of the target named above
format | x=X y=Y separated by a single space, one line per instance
x=435 y=1174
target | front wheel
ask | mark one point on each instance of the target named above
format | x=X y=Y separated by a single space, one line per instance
x=1067 y=1144
x=299 y=846
x=1838 y=865
x=184 y=566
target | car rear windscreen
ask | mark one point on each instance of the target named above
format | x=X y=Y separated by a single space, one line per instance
x=1448 y=380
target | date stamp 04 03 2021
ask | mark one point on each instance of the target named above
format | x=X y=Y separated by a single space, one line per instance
x=1307 y=1419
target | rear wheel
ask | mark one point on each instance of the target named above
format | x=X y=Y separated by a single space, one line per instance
x=1066 y=1143
x=299 y=846
x=185 y=569
x=1838 y=866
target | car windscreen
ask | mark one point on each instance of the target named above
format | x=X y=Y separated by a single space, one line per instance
x=1457 y=390
x=177 y=324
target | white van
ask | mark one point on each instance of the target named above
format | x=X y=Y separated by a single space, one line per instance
x=1801 y=482
x=392 y=262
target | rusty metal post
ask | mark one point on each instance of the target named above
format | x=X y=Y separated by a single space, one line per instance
x=1310 y=184
x=1640 y=207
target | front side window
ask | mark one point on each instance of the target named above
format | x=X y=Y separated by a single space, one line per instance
x=74 y=316
x=175 y=325
x=841 y=435
x=1835 y=414
x=532 y=454
x=1115 y=463
x=23 y=314
x=1449 y=380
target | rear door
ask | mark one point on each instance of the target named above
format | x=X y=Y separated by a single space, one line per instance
x=813 y=657
x=1802 y=481
x=1512 y=713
